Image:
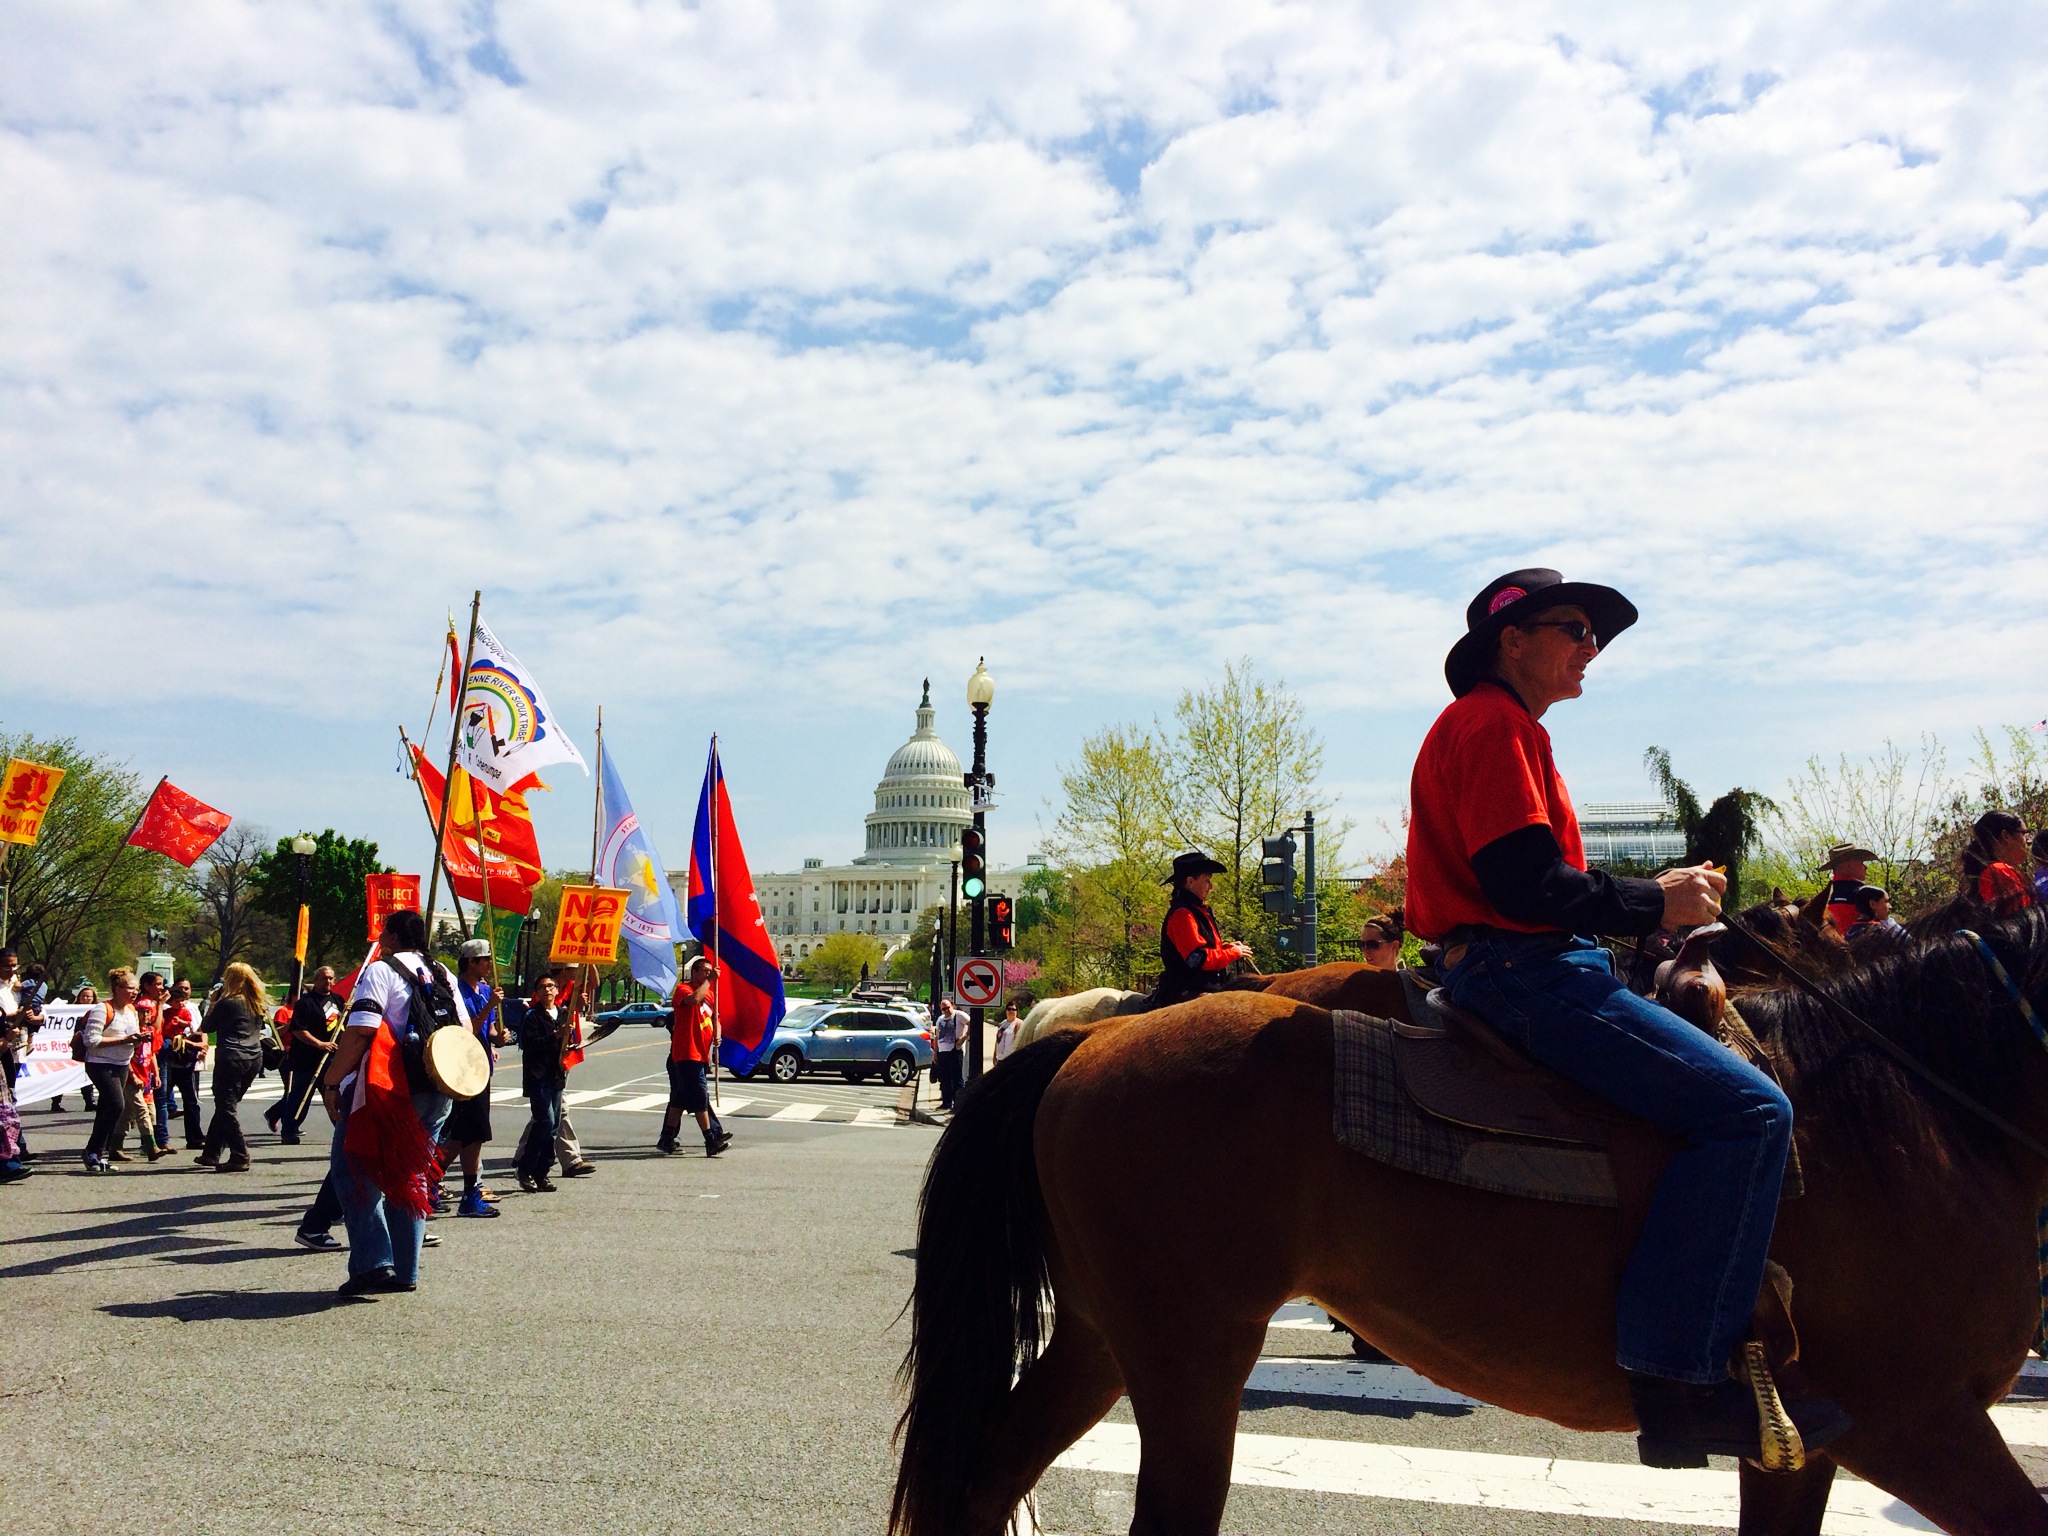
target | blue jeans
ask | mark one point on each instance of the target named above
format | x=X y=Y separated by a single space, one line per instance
x=540 y=1141
x=1691 y=1284
x=163 y=1100
x=380 y=1235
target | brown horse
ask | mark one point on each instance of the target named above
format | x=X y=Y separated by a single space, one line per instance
x=1089 y=1163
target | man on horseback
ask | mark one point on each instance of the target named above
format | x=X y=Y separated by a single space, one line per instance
x=1497 y=875
x=1193 y=956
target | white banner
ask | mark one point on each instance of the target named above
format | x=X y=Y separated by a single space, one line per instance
x=48 y=1070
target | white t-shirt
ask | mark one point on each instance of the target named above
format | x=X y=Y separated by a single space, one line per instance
x=384 y=987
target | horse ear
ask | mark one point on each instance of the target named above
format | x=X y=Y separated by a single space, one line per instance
x=1778 y=896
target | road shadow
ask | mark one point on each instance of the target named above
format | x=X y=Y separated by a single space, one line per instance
x=1361 y=1407
x=159 y=1228
x=229 y=1306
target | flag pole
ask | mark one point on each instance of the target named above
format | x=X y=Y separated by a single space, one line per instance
x=717 y=915
x=596 y=826
x=440 y=677
x=440 y=851
x=448 y=774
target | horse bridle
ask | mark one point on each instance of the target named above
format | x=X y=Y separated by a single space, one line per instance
x=1899 y=1053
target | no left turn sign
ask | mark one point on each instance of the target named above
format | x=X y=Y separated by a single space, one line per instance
x=977 y=981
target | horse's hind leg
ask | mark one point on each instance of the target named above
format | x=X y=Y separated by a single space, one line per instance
x=1785 y=1503
x=1186 y=1398
x=1952 y=1466
x=1072 y=1383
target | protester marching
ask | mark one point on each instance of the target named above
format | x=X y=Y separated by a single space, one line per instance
x=400 y=1055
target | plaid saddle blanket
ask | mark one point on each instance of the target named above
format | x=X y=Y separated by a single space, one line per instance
x=1375 y=1116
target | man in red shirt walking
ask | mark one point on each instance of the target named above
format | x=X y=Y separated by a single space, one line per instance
x=689 y=1063
x=1497 y=875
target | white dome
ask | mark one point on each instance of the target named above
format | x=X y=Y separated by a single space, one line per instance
x=921 y=803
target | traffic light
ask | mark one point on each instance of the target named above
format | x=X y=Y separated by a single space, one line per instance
x=973 y=866
x=1276 y=875
x=1002 y=924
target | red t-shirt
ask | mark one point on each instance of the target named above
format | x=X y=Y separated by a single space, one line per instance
x=2001 y=888
x=1485 y=770
x=690 y=1040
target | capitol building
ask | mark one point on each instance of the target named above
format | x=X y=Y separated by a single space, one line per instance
x=912 y=840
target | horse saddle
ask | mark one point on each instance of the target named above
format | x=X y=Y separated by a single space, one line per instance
x=1456 y=1067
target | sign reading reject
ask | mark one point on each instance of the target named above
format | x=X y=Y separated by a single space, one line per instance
x=587 y=927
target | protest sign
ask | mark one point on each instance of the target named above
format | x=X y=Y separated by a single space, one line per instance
x=587 y=927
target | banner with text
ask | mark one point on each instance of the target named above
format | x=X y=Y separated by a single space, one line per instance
x=587 y=927
x=26 y=790
x=47 y=1069
x=389 y=894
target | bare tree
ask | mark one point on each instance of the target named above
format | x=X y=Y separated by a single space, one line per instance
x=1887 y=802
x=225 y=887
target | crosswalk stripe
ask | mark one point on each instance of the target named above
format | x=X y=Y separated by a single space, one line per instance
x=639 y=1105
x=2021 y=1425
x=506 y=1096
x=583 y=1096
x=799 y=1112
x=1532 y=1484
x=870 y=1115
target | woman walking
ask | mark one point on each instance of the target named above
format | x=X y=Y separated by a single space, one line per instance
x=237 y=1024
x=111 y=1031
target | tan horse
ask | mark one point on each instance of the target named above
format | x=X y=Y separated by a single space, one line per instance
x=1091 y=1163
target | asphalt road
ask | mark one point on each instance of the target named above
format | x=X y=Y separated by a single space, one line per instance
x=669 y=1345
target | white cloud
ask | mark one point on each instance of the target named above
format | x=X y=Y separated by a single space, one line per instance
x=1114 y=339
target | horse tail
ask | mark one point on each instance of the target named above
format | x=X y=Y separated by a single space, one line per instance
x=977 y=1307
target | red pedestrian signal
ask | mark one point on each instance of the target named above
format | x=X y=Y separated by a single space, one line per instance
x=1002 y=924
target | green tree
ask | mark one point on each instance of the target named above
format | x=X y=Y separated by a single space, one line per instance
x=837 y=962
x=1724 y=833
x=337 y=898
x=78 y=899
x=1240 y=764
x=1114 y=832
x=1893 y=803
x=912 y=961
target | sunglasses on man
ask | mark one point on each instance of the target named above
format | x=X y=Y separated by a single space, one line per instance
x=1577 y=630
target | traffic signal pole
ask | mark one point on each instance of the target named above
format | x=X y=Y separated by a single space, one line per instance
x=977 y=911
x=1308 y=865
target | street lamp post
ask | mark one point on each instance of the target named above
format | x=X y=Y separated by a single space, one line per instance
x=981 y=692
x=303 y=846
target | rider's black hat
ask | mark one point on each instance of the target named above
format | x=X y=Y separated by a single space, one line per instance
x=1193 y=863
x=1518 y=597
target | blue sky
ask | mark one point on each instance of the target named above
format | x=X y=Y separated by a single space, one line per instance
x=760 y=361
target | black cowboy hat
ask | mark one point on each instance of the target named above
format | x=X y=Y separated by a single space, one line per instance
x=1191 y=864
x=1518 y=597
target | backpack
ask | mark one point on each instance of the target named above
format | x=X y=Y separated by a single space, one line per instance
x=79 y=1049
x=432 y=1007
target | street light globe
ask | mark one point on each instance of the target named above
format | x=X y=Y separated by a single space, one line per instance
x=304 y=846
x=981 y=688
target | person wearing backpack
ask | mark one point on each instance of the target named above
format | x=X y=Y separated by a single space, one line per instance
x=387 y=1113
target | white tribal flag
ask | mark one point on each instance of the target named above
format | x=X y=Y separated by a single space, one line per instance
x=506 y=730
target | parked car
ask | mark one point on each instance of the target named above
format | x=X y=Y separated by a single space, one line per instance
x=636 y=1013
x=858 y=1040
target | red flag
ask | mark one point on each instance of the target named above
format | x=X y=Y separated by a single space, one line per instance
x=454 y=671
x=177 y=826
x=385 y=1142
x=508 y=841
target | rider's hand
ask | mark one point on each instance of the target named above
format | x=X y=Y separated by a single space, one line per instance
x=1692 y=896
x=1242 y=950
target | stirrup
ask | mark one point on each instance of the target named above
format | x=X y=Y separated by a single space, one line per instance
x=1783 y=1450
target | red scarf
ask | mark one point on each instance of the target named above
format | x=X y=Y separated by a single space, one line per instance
x=385 y=1142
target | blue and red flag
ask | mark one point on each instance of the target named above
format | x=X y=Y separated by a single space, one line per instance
x=722 y=900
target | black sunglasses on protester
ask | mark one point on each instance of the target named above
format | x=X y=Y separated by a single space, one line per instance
x=1577 y=630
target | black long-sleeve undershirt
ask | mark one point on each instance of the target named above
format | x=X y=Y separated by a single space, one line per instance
x=1525 y=877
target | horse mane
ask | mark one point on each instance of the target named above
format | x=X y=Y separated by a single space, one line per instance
x=1937 y=1000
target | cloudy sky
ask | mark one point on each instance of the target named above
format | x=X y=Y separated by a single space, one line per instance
x=760 y=360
